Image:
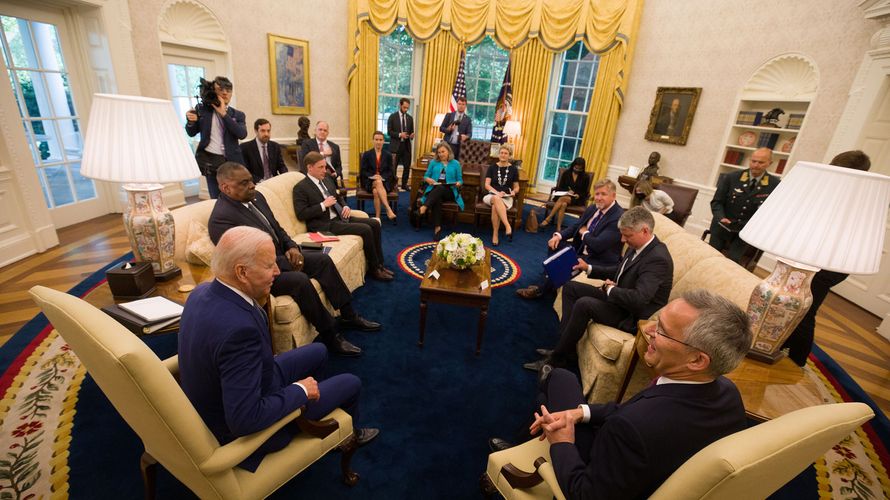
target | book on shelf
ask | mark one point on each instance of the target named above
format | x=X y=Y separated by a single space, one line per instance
x=559 y=266
x=767 y=140
x=138 y=325
x=323 y=236
x=734 y=157
x=795 y=120
x=153 y=309
x=780 y=167
x=751 y=118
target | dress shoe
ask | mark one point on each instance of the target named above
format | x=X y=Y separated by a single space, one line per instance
x=498 y=444
x=393 y=219
x=535 y=365
x=359 y=323
x=510 y=237
x=387 y=271
x=343 y=347
x=379 y=275
x=544 y=352
x=437 y=235
x=364 y=435
x=531 y=292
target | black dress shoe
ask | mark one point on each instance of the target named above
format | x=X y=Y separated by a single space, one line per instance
x=510 y=237
x=379 y=275
x=386 y=270
x=544 y=352
x=364 y=435
x=360 y=323
x=343 y=347
x=498 y=444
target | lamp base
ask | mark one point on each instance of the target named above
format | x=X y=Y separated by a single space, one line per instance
x=168 y=274
x=151 y=229
x=776 y=307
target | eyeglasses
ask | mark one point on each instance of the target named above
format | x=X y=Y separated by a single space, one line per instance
x=660 y=331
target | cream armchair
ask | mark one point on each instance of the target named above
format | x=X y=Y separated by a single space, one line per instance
x=752 y=463
x=144 y=391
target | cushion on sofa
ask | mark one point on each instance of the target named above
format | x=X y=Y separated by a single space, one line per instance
x=687 y=250
x=721 y=276
x=199 y=249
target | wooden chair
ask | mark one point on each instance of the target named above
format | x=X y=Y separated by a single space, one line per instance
x=361 y=196
x=576 y=210
x=144 y=390
x=684 y=199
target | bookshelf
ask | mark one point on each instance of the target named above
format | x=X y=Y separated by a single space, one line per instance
x=788 y=82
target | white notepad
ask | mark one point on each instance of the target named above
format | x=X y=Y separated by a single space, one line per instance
x=154 y=308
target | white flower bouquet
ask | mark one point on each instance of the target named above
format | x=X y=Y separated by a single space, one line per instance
x=460 y=250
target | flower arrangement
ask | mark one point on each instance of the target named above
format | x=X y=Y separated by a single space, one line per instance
x=460 y=250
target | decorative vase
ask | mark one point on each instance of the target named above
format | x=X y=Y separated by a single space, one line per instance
x=150 y=228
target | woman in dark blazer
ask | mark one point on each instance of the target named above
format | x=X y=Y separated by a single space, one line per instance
x=443 y=179
x=376 y=175
x=576 y=182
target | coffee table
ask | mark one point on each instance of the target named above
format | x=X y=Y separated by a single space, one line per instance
x=768 y=391
x=460 y=288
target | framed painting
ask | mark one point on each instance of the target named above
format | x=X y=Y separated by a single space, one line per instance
x=289 y=75
x=672 y=114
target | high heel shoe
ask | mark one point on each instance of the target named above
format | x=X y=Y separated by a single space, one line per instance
x=495 y=243
x=510 y=237
x=393 y=219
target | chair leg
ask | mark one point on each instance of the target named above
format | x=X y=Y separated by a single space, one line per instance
x=487 y=487
x=148 y=467
x=348 y=448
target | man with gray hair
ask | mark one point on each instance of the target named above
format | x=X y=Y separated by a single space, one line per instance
x=595 y=236
x=634 y=289
x=627 y=450
x=226 y=366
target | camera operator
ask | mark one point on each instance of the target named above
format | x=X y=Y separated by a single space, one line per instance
x=221 y=127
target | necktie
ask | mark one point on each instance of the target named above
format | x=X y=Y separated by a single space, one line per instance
x=752 y=184
x=631 y=253
x=262 y=218
x=455 y=136
x=266 y=173
x=262 y=311
x=594 y=220
x=336 y=206
x=404 y=128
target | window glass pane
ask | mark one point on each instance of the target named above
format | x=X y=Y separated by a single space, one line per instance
x=83 y=187
x=177 y=78
x=59 y=186
x=559 y=124
x=568 y=73
x=69 y=133
x=395 y=56
x=58 y=95
x=48 y=144
x=582 y=79
x=43 y=187
x=18 y=37
x=550 y=170
x=386 y=105
x=486 y=64
x=569 y=146
x=573 y=126
x=48 y=42
x=30 y=138
x=18 y=100
x=34 y=93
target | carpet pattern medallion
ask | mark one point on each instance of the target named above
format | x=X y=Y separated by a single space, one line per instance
x=413 y=260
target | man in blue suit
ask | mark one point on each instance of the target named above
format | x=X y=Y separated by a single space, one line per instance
x=457 y=127
x=221 y=127
x=595 y=236
x=226 y=366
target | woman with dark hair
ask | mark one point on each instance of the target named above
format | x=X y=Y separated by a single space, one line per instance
x=443 y=179
x=575 y=182
x=376 y=175
x=303 y=131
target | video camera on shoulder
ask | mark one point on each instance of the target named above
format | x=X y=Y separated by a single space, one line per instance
x=207 y=94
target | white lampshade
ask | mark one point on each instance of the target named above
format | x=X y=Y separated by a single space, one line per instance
x=512 y=128
x=827 y=217
x=439 y=118
x=136 y=139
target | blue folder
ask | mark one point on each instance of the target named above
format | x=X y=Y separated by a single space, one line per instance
x=559 y=266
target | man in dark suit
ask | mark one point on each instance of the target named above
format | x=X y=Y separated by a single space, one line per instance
x=328 y=149
x=317 y=203
x=736 y=199
x=226 y=366
x=457 y=127
x=634 y=289
x=400 y=128
x=628 y=450
x=241 y=205
x=594 y=237
x=262 y=156
x=221 y=127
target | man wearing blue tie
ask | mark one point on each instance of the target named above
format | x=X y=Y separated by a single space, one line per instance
x=595 y=236
x=457 y=127
x=634 y=289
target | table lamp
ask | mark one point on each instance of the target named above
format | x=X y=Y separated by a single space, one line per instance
x=512 y=129
x=818 y=217
x=140 y=142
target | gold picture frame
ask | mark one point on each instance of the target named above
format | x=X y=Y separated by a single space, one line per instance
x=289 y=75
x=672 y=128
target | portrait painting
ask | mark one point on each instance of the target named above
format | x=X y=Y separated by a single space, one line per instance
x=289 y=75
x=672 y=114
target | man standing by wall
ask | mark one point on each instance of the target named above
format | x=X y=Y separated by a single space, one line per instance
x=737 y=197
x=221 y=127
x=262 y=156
x=457 y=127
x=400 y=127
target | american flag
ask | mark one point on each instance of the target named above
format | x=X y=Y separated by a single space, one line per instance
x=460 y=84
x=503 y=109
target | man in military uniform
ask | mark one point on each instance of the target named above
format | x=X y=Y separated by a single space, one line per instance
x=738 y=196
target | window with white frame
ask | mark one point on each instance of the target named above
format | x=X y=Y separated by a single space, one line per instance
x=485 y=66
x=567 y=111
x=395 y=74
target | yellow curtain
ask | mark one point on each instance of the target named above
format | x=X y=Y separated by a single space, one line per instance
x=532 y=66
x=440 y=61
x=608 y=97
x=362 y=86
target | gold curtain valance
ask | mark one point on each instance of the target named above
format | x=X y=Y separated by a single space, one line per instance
x=556 y=23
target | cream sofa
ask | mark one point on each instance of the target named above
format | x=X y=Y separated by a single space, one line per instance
x=289 y=327
x=604 y=352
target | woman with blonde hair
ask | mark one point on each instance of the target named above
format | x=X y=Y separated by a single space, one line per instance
x=501 y=184
x=653 y=200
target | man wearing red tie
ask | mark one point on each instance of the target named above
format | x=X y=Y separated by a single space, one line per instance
x=328 y=149
x=262 y=156
x=595 y=236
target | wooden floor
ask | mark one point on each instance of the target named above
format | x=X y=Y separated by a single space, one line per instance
x=845 y=331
